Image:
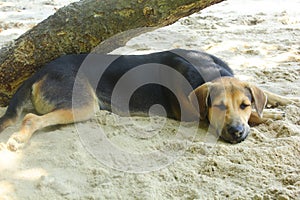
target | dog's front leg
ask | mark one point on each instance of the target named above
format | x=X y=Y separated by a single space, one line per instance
x=275 y=100
x=268 y=114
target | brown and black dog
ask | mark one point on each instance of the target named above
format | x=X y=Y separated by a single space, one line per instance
x=214 y=94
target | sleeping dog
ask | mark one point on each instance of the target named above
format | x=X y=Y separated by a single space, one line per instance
x=212 y=94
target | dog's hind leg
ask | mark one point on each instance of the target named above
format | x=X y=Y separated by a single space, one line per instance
x=32 y=123
x=7 y=120
x=19 y=101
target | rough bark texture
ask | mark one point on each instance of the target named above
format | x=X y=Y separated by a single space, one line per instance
x=80 y=27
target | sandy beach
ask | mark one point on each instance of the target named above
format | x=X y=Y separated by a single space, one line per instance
x=159 y=158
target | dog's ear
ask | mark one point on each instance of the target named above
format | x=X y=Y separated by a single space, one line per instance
x=199 y=99
x=259 y=98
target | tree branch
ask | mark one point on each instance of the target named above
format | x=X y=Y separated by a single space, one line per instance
x=81 y=26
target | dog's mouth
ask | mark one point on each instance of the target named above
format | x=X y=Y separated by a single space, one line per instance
x=233 y=140
x=234 y=134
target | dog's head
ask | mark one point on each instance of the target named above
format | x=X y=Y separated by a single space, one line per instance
x=227 y=104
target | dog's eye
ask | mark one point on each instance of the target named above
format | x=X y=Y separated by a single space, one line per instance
x=221 y=106
x=243 y=106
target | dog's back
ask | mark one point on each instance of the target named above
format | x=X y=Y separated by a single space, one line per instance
x=158 y=78
x=196 y=67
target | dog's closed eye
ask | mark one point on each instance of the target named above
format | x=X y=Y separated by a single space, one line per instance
x=221 y=106
x=243 y=106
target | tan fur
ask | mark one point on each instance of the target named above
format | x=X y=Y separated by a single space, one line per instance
x=32 y=122
x=234 y=95
x=41 y=105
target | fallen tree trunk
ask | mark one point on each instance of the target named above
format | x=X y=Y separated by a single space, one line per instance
x=80 y=27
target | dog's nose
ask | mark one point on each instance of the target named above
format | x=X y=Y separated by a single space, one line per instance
x=236 y=131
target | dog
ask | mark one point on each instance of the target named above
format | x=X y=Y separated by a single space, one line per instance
x=213 y=93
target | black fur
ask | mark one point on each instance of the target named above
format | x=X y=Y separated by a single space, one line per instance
x=60 y=74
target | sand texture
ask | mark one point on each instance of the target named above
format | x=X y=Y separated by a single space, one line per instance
x=258 y=39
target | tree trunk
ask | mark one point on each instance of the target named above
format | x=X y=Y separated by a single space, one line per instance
x=80 y=27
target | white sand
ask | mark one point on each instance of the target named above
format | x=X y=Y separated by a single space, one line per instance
x=259 y=40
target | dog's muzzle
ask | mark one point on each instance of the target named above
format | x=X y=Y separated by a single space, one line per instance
x=235 y=133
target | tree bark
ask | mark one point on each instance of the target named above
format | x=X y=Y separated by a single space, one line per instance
x=81 y=26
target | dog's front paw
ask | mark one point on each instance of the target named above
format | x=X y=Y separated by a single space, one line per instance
x=15 y=142
x=274 y=114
